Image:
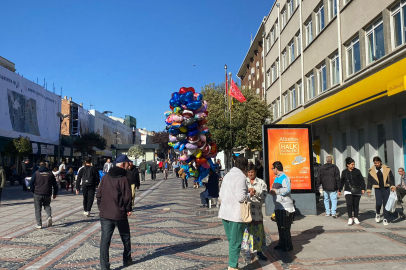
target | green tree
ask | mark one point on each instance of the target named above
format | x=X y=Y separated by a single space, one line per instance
x=247 y=118
x=87 y=141
x=136 y=151
x=161 y=138
x=20 y=146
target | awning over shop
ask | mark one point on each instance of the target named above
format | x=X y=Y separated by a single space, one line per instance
x=386 y=82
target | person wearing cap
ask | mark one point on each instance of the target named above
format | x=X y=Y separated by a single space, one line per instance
x=114 y=201
x=143 y=168
x=89 y=178
x=134 y=180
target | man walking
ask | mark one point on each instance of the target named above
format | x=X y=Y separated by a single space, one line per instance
x=153 y=168
x=41 y=184
x=89 y=176
x=107 y=166
x=329 y=178
x=133 y=179
x=176 y=167
x=143 y=168
x=114 y=202
x=3 y=179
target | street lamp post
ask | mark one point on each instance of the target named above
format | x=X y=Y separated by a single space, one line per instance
x=116 y=133
x=61 y=117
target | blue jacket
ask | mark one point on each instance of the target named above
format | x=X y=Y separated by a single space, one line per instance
x=282 y=199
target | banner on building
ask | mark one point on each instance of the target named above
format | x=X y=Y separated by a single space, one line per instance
x=34 y=148
x=83 y=121
x=44 y=150
x=292 y=146
x=27 y=109
x=50 y=150
x=66 y=151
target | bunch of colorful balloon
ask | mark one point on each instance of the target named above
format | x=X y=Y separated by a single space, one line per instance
x=188 y=133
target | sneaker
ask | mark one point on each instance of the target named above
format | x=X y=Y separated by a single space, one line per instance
x=128 y=262
x=39 y=227
x=378 y=218
x=50 y=222
x=350 y=221
x=356 y=221
x=385 y=222
x=327 y=215
x=86 y=214
x=334 y=216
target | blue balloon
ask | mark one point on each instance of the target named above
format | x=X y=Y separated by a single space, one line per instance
x=174 y=103
x=173 y=131
x=193 y=132
x=182 y=146
x=176 y=96
x=194 y=105
x=199 y=97
x=195 y=124
x=176 y=146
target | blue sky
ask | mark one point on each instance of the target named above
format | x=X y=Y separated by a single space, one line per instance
x=128 y=56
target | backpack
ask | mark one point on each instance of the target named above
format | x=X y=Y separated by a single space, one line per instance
x=87 y=177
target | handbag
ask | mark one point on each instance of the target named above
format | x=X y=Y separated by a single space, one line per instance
x=355 y=190
x=246 y=211
x=391 y=203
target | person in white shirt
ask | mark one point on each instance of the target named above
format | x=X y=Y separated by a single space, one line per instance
x=107 y=166
x=233 y=192
x=62 y=167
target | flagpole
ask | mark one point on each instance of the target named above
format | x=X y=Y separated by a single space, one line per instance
x=231 y=134
x=226 y=86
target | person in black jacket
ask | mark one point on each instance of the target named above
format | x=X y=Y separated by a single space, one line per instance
x=328 y=178
x=134 y=180
x=212 y=188
x=153 y=168
x=70 y=178
x=41 y=185
x=381 y=178
x=89 y=178
x=351 y=178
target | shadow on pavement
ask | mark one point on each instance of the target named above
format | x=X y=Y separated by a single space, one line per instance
x=298 y=242
x=171 y=250
x=149 y=207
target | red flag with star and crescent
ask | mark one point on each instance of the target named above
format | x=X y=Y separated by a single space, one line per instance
x=235 y=92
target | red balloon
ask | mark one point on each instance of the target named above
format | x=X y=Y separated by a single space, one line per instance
x=183 y=90
x=171 y=107
x=201 y=160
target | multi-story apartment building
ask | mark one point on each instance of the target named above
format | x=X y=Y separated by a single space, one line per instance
x=340 y=65
x=251 y=71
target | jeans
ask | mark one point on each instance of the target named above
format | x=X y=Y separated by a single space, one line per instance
x=153 y=175
x=204 y=196
x=381 y=197
x=330 y=196
x=184 y=182
x=40 y=201
x=176 y=172
x=133 y=190
x=107 y=229
x=234 y=232
x=352 y=204
x=88 y=197
x=142 y=175
x=166 y=174
x=284 y=222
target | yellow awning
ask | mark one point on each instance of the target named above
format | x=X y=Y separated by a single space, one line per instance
x=386 y=82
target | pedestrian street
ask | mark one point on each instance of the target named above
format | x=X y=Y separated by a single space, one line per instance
x=170 y=230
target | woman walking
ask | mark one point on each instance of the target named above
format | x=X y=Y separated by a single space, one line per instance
x=254 y=238
x=70 y=178
x=284 y=207
x=233 y=192
x=381 y=178
x=354 y=186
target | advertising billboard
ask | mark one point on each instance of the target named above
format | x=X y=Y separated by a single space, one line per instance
x=291 y=145
x=27 y=109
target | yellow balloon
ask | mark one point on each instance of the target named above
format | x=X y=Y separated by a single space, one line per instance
x=198 y=153
x=182 y=129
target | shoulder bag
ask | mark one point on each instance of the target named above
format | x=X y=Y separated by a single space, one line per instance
x=246 y=211
x=355 y=190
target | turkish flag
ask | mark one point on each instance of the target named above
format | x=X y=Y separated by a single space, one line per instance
x=235 y=92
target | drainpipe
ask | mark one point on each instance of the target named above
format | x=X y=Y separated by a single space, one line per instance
x=280 y=59
x=301 y=53
x=340 y=56
x=264 y=51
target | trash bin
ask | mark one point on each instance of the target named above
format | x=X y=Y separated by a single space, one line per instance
x=148 y=170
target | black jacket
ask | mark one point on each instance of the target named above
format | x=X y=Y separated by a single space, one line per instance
x=354 y=177
x=153 y=167
x=114 y=195
x=133 y=177
x=329 y=177
x=213 y=186
x=42 y=182
x=70 y=177
x=95 y=173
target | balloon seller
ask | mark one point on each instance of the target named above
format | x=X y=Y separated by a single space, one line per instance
x=188 y=133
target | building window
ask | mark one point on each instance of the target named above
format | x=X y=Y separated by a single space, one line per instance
x=268 y=78
x=277 y=107
x=309 y=33
x=322 y=79
x=290 y=8
x=382 y=151
x=292 y=51
x=273 y=73
x=277 y=68
x=268 y=43
x=275 y=111
x=353 y=57
x=335 y=70
x=258 y=91
x=284 y=60
x=375 y=42
x=285 y=103
x=276 y=30
x=293 y=98
x=299 y=93
x=272 y=36
x=283 y=18
x=311 y=93
x=320 y=20
x=332 y=7
x=299 y=43
x=399 y=24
